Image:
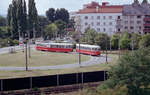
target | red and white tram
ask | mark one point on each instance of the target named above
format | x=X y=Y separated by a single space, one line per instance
x=60 y=47
x=42 y=46
x=93 y=50
x=55 y=47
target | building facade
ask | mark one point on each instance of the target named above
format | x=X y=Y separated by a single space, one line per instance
x=102 y=18
x=110 y=19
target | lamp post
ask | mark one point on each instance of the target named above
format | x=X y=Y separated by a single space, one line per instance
x=26 y=51
x=78 y=26
x=119 y=45
x=106 y=50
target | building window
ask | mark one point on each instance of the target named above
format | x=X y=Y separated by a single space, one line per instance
x=86 y=24
x=140 y=27
x=119 y=17
x=98 y=23
x=138 y=17
x=104 y=29
x=98 y=29
x=110 y=17
x=110 y=23
x=138 y=22
x=104 y=17
x=98 y=17
x=131 y=27
x=104 y=23
x=86 y=17
x=126 y=27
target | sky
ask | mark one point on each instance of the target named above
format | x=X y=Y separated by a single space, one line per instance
x=70 y=5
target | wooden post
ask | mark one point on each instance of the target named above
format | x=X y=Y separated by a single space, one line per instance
x=1 y=85
x=57 y=80
x=30 y=82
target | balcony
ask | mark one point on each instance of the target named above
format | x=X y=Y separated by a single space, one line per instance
x=146 y=19
x=146 y=30
x=147 y=24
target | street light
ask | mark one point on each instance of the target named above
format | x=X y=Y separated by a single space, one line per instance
x=78 y=26
x=106 y=50
x=26 y=51
x=119 y=45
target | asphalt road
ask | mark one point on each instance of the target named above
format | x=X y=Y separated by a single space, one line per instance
x=93 y=61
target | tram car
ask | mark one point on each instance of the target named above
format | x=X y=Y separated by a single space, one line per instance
x=55 y=47
x=42 y=46
x=60 y=47
x=93 y=50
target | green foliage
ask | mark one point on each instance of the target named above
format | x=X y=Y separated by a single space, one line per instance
x=14 y=22
x=89 y=36
x=145 y=41
x=115 y=41
x=125 y=41
x=50 y=13
x=32 y=18
x=92 y=37
x=62 y=14
x=61 y=26
x=136 y=39
x=102 y=40
x=132 y=71
x=3 y=21
x=50 y=31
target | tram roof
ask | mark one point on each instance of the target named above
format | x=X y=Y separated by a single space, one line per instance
x=60 y=44
x=90 y=46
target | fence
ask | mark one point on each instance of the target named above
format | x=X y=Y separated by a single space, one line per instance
x=52 y=80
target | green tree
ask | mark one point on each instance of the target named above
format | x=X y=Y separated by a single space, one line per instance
x=61 y=26
x=50 y=31
x=32 y=18
x=102 y=40
x=3 y=21
x=9 y=16
x=125 y=41
x=62 y=14
x=136 y=40
x=50 y=13
x=145 y=41
x=43 y=22
x=20 y=17
x=115 y=41
x=132 y=71
x=89 y=36
x=14 y=22
x=24 y=19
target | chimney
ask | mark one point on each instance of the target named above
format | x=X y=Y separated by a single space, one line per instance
x=104 y=3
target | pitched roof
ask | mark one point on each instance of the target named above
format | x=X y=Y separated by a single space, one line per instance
x=102 y=9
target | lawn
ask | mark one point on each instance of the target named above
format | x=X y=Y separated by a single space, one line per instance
x=39 y=58
x=99 y=67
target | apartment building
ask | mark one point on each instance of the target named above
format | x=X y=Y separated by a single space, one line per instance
x=136 y=18
x=115 y=18
x=102 y=18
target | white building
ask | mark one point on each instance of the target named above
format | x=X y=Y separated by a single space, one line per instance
x=103 y=18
